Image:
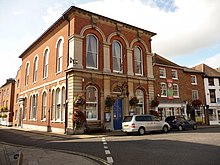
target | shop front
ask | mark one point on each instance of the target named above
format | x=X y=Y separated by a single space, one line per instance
x=214 y=115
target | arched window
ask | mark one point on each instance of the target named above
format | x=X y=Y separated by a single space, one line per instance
x=33 y=112
x=25 y=108
x=91 y=110
x=163 y=88
x=63 y=104
x=117 y=56
x=44 y=106
x=27 y=73
x=35 y=69
x=140 y=107
x=45 y=67
x=138 y=61
x=59 y=56
x=58 y=105
x=53 y=105
x=91 y=52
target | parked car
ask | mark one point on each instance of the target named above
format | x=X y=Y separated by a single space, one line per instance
x=143 y=123
x=180 y=123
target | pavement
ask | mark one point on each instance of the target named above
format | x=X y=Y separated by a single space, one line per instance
x=11 y=154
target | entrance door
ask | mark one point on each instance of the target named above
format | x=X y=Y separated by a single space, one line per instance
x=117 y=114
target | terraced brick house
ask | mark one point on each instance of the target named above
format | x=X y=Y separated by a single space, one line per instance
x=90 y=55
x=212 y=92
x=177 y=89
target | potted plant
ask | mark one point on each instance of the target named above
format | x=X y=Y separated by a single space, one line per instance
x=109 y=102
x=79 y=121
x=133 y=101
x=79 y=100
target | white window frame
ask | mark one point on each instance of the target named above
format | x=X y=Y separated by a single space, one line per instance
x=175 y=76
x=96 y=102
x=176 y=90
x=140 y=97
x=163 y=88
x=44 y=106
x=46 y=62
x=93 y=53
x=27 y=72
x=35 y=69
x=195 y=95
x=162 y=70
x=120 y=58
x=34 y=106
x=59 y=55
x=140 y=61
x=193 y=80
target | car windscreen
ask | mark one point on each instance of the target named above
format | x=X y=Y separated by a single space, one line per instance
x=127 y=118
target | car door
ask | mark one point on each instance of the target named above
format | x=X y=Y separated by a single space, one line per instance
x=156 y=123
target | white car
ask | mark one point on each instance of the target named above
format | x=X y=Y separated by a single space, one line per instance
x=143 y=123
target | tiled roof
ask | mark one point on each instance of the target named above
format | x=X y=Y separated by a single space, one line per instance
x=208 y=71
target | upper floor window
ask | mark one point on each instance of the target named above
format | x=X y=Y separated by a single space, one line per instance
x=211 y=81
x=195 y=95
x=174 y=74
x=91 y=52
x=45 y=67
x=59 y=56
x=162 y=73
x=117 y=56
x=27 y=73
x=35 y=69
x=212 y=96
x=18 y=83
x=91 y=110
x=138 y=61
x=175 y=90
x=163 y=87
x=140 y=106
x=193 y=80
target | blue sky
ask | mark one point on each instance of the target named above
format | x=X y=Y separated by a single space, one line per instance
x=187 y=30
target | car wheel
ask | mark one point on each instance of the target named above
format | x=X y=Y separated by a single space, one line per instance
x=180 y=128
x=141 y=131
x=165 y=129
x=194 y=126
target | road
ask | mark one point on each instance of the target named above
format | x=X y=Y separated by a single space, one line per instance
x=200 y=146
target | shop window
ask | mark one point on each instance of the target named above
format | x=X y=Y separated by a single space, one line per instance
x=117 y=56
x=138 y=61
x=91 y=110
x=91 y=52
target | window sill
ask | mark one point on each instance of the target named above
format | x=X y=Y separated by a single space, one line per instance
x=33 y=120
x=162 y=77
x=57 y=121
x=58 y=72
x=45 y=78
x=43 y=120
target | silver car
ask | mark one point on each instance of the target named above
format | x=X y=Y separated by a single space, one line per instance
x=143 y=123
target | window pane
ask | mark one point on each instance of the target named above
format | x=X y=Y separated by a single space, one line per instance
x=138 y=60
x=59 y=55
x=91 y=103
x=91 y=51
x=117 y=56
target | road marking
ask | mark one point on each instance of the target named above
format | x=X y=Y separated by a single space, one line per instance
x=107 y=152
x=110 y=160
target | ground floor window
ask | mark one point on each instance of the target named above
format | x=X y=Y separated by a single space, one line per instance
x=91 y=109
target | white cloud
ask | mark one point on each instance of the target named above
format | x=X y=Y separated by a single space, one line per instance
x=193 y=26
x=212 y=61
x=53 y=13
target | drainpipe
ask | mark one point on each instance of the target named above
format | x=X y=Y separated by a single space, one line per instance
x=66 y=103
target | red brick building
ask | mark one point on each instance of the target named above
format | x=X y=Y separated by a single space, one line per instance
x=7 y=102
x=85 y=54
x=177 y=87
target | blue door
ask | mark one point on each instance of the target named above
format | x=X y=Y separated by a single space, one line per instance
x=117 y=114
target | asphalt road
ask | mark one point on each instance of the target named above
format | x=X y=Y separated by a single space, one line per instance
x=191 y=147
